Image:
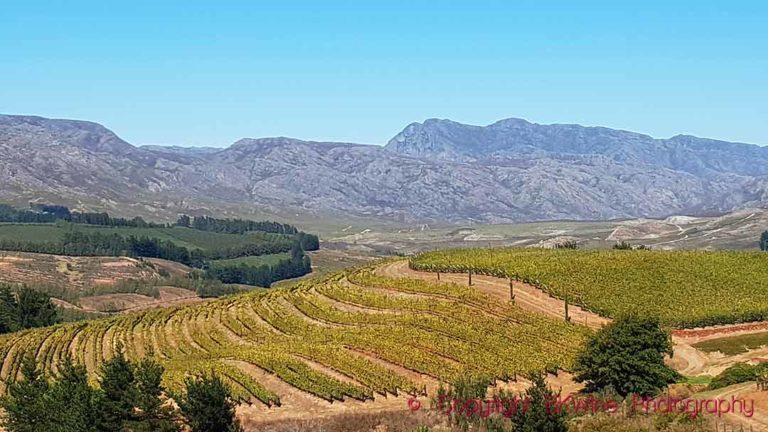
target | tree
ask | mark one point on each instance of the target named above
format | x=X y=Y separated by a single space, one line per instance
x=627 y=356
x=130 y=399
x=153 y=414
x=183 y=221
x=764 y=241
x=117 y=397
x=541 y=413
x=72 y=400
x=24 y=403
x=467 y=390
x=208 y=405
x=9 y=319
x=34 y=309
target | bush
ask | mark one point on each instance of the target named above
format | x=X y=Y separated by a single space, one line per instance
x=738 y=373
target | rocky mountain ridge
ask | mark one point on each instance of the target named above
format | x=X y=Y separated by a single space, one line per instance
x=510 y=171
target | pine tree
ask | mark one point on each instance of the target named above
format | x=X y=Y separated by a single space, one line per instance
x=24 y=403
x=153 y=415
x=8 y=316
x=208 y=405
x=764 y=241
x=34 y=309
x=117 y=397
x=540 y=413
x=72 y=399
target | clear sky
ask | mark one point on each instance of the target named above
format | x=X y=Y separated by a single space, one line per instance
x=211 y=72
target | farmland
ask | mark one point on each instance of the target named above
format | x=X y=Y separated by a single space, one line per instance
x=683 y=288
x=181 y=236
x=224 y=250
x=352 y=335
x=270 y=259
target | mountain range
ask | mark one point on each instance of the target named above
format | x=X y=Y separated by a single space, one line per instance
x=435 y=171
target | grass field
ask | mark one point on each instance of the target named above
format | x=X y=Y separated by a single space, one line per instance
x=733 y=345
x=256 y=261
x=350 y=335
x=683 y=288
x=181 y=236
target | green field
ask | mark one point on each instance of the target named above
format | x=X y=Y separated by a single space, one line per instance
x=255 y=261
x=682 y=288
x=733 y=345
x=181 y=236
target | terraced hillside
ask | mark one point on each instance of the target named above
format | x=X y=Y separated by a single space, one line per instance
x=350 y=336
x=683 y=288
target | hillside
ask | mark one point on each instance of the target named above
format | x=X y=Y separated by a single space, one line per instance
x=439 y=171
x=66 y=254
x=682 y=288
x=366 y=341
x=353 y=337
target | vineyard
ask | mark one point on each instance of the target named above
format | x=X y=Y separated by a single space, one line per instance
x=350 y=335
x=682 y=288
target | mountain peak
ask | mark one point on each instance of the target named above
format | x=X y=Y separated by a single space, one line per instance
x=515 y=138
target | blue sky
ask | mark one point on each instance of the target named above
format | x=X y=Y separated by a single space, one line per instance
x=208 y=73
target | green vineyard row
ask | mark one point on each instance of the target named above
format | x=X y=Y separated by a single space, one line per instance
x=350 y=335
x=683 y=288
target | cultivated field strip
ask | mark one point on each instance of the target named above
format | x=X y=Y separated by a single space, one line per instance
x=684 y=289
x=319 y=337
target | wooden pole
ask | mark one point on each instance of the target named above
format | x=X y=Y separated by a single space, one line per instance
x=438 y=275
x=470 y=278
x=511 y=290
x=567 y=318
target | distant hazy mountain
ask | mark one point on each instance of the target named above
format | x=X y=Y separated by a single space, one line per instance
x=515 y=139
x=436 y=171
x=199 y=152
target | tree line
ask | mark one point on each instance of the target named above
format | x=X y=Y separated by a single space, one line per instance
x=234 y=226
x=269 y=238
x=130 y=398
x=76 y=243
x=50 y=213
x=764 y=241
x=298 y=264
x=47 y=213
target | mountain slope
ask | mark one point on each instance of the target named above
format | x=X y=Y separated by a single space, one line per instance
x=511 y=171
x=516 y=138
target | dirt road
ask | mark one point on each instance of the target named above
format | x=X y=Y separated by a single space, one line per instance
x=526 y=296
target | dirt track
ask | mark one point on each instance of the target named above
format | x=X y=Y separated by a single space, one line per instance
x=526 y=296
x=686 y=359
